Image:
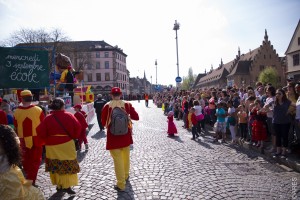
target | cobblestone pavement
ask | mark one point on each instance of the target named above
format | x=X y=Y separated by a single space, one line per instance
x=176 y=168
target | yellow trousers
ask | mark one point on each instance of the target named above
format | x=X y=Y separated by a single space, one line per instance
x=121 y=159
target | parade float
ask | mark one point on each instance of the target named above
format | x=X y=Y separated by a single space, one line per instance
x=25 y=68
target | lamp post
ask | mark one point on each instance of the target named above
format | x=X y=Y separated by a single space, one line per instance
x=156 y=73
x=175 y=28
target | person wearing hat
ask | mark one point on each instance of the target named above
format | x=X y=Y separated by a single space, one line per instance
x=26 y=119
x=98 y=105
x=119 y=145
x=79 y=114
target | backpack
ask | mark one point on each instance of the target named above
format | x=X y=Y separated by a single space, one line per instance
x=119 y=121
x=69 y=79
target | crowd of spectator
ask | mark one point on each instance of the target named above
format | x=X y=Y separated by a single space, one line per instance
x=259 y=115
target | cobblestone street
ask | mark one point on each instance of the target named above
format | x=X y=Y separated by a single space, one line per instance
x=176 y=168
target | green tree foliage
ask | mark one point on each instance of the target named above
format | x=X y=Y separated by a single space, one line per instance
x=269 y=75
x=188 y=81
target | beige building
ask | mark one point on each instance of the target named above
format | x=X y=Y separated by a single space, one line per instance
x=293 y=54
x=245 y=68
x=104 y=65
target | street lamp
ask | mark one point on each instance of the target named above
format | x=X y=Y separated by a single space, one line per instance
x=156 y=73
x=175 y=28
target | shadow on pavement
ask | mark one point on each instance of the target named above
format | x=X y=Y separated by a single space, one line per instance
x=128 y=194
x=99 y=135
x=58 y=195
x=176 y=138
x=81 y=155
x=204 y=144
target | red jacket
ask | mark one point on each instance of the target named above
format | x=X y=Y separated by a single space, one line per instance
x=53 y=133
x=112 y=141
x=3 y=118
x=80 y=117
x=194 y=119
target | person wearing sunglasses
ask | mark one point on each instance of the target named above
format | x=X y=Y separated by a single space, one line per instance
x=281 y=122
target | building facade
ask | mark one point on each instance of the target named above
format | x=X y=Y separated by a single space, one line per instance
x=103 y=65
x=293 y=54
x=244 y=70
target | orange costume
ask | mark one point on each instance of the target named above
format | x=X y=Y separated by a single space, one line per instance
x=82 y=138
x=26 y=119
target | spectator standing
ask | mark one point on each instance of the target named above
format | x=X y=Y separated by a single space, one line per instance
x=185 y=109
x=194 y=123
x=281 y=122
x=26 y=119
x=199 y=116
x=242 y=121
x=221 y=123
x=259 y=126
x=297 y=117
x=231 y=121
x=268 y=107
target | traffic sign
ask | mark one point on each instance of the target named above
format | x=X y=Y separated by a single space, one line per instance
x=178 y=79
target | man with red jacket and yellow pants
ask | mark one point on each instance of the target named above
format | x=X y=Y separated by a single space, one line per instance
x=119 y=145
x=26 y=118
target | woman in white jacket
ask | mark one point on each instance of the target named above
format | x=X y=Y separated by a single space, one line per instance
x=199 y=114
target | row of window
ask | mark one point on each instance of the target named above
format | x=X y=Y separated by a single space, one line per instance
x=106 y=66
x=107 y=77
x=98 y=66
x=106 y=55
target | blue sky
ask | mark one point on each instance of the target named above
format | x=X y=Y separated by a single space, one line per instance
x=209 y=29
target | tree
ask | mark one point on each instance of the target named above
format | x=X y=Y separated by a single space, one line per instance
x=189 y=80
x=269 y=75
x=25 y=35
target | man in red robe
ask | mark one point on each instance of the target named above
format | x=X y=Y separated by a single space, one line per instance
x=26 y=118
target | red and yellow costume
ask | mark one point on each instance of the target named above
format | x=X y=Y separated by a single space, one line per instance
x=26 y=119
x=80 y=117
x=61 y=157
x=119 y=146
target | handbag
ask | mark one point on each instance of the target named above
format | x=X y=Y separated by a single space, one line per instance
x=75 y=140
